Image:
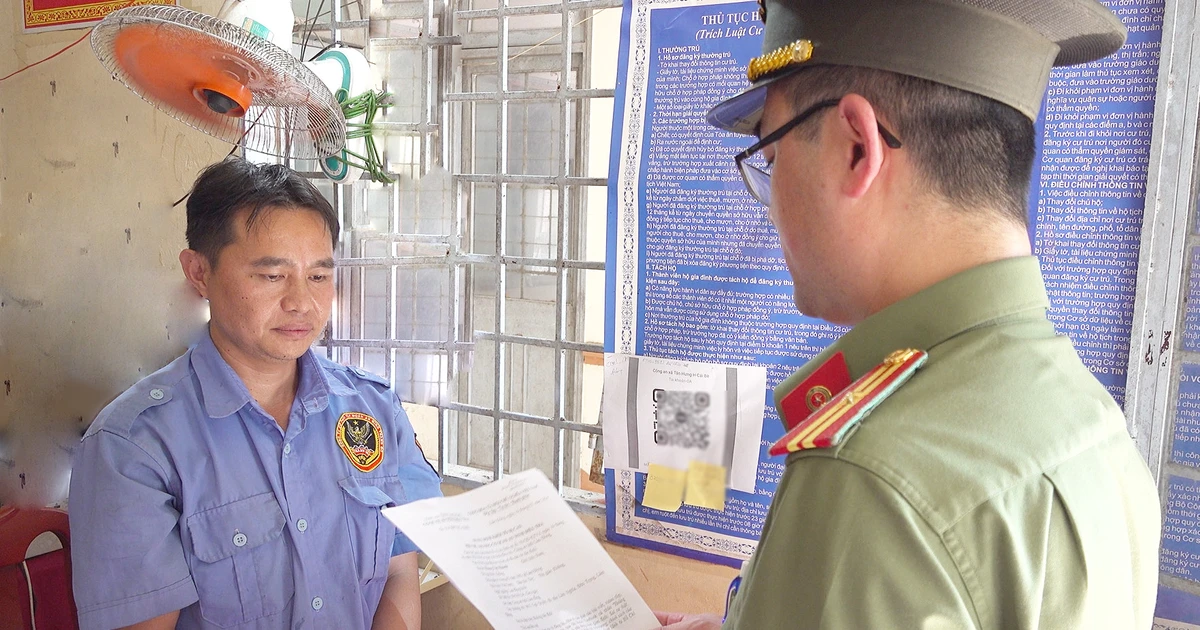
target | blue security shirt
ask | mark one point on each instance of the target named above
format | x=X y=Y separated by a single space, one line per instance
x=186 y=495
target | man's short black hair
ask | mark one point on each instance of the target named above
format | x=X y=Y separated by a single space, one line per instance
x=228 y=187
x=973 y=151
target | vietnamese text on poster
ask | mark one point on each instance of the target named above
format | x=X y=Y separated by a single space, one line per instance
x=695 y=273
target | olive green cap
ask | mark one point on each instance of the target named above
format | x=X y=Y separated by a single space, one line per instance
x=1001 y=49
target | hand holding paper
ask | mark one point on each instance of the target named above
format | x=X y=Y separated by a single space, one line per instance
x=519 y=554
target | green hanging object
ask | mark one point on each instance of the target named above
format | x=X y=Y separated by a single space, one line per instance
x=366 y=105
x=347 y=73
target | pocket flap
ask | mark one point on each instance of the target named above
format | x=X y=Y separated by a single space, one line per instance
x=377 y=492
x=244 y=524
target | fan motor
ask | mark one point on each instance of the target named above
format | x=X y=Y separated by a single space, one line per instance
x=219 y=103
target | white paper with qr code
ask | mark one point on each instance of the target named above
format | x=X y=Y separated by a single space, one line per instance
x=518 y=553
x=672 y=413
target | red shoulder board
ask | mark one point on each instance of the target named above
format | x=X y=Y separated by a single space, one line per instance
x=829 y=425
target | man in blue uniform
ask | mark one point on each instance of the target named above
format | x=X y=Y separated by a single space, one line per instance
x=240 y=486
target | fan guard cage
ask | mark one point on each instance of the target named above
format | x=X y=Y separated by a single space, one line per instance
x=157 y=51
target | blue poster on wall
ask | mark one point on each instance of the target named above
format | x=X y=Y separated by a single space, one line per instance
x=1185 y=442
x=1191 y=311
x=695 y=273
x=1180 y=555
x=1176 y=610
x=1089 y=189
x=694 y=270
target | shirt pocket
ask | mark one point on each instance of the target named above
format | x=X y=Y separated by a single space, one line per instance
x=371 y=534
x=240 y=561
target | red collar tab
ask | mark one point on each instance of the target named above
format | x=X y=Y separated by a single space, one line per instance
x=830 y=425
x=815 y=391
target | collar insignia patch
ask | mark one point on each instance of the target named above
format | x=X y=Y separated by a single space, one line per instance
x=830 y=425
x=816 y=397
x=816 y=390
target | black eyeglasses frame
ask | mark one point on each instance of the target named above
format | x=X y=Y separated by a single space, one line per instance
x=889 y=139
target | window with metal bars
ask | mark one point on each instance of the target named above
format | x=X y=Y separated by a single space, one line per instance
x=475 y=281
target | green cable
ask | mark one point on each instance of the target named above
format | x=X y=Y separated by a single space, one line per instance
x=366 y=105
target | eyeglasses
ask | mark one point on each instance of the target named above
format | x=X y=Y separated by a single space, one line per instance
x=758 y=178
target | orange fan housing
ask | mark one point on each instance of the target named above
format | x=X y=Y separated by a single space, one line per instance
x=221 y=79
x=195 y=74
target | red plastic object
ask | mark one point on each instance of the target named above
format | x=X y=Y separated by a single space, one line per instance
x=49 y=575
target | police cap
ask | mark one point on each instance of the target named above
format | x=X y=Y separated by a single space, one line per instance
x=1001 y=49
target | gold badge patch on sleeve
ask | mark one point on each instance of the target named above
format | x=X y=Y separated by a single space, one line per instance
x=361 y=439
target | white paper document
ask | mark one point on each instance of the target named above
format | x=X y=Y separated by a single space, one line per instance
x=518 y=553
x=671 y=413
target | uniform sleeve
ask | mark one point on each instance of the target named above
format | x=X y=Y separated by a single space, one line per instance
x=843 y=549
x=417 y=476
x=127 y=561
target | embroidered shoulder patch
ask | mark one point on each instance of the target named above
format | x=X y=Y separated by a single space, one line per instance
x=829 y=425
x=361 y=439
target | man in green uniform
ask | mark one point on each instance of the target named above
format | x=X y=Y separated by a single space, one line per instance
x=993 y=484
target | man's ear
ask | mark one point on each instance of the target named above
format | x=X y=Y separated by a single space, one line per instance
x=864 y=149
x=196 y=269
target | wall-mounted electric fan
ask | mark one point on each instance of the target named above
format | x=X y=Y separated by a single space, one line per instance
x=232 y=77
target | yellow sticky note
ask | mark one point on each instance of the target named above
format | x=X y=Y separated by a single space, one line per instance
x=705 y=486
x=664 y=488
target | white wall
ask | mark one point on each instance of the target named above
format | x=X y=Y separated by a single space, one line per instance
x=91 y=296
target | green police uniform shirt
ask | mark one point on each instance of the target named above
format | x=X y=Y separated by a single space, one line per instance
x=997 y=489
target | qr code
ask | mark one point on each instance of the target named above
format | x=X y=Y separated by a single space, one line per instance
x=681 y=419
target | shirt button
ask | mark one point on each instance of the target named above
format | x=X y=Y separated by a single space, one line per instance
x=317 y=603
x=287 y=448
x=239 y=540
x=156 y=394
x=302 y=525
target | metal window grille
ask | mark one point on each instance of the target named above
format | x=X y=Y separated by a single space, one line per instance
x=475 y=282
